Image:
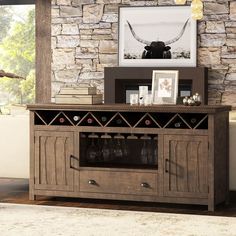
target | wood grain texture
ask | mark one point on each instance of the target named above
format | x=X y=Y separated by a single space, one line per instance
x=186 y=166
x=118 y=182
x=52 y=160
x=192 y=163
x=129 y=108
x=43 y=51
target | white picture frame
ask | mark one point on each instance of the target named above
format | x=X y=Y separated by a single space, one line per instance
x=148 y=28
x=165 y=86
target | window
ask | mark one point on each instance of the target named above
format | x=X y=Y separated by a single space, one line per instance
x=17 y=55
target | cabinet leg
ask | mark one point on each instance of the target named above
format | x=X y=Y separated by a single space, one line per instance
x=32 y=197
x=211 y=207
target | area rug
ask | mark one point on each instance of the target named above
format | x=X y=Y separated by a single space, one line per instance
x=34 y=220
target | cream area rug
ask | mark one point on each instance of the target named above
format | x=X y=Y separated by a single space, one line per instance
x=34 y=220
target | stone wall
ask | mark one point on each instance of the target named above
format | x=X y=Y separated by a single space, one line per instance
x=85 y=34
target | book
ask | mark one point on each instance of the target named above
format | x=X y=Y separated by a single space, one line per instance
x=78 y=90
x=79 y=99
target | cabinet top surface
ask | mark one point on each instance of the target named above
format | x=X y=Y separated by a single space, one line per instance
x=129 y=108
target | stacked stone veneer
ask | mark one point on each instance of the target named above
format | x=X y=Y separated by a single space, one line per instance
x=85 y=40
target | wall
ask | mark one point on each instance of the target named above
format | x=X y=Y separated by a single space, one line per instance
x=84 y=40
x=14 y=146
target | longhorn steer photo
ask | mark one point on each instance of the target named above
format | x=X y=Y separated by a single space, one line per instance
x=157 y=49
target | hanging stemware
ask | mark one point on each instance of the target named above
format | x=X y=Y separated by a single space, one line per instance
x=106 y=150
x=92 y=153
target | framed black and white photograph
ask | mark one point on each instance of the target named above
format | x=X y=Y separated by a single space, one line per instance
x=157 y=36
x=165 y=86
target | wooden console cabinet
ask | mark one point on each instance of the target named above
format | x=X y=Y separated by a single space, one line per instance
x=172 y=154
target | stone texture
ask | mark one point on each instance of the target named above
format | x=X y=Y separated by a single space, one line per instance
x=81 y=2
x=81 y=55
x=228 y=52
x=89 y=43
x=108 y=1
x=222 y=17
x=215 y=27
x=64 y=20
x=230 y=24
x=111 y=8
x=213 y=40
x=92 y=13
x=229 y=97
x=231 y=30
x=231 y=41
x=67 y=75
x=233 y=10
x=108 y=59
x=209 y=56
x=56 y=29
x=69 y=11
x=85 y=40
x=165 y=2
x=92 y=75
x=55 y=12
x=63 y=57
x=68 y=41
x=110 y=18
x=231 y=77
x=101 y=36
x=215 y=8
x=64 y=2
x=108 y=46
x=70 y=29
x=86 y=31
x=102 y=31
x=201 y=27
x=86 y=37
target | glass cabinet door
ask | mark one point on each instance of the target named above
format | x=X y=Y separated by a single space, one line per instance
x=118 y=150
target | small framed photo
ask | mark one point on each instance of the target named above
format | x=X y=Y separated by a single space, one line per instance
x=165 y=86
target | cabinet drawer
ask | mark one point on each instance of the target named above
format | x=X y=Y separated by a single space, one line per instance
x=118 y=182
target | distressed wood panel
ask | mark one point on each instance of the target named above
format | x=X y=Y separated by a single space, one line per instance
x=186 y=161
x=52 y=167
x=118 y=182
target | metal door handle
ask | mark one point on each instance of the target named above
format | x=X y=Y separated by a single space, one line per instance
x=92 y=182
x=145 y=185
x=166 y=164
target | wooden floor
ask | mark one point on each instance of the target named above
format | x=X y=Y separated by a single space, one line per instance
x=16 y=191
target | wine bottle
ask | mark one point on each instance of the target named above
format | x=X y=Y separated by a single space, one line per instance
x=193 y=120
x=76 y=118
x=90 y=120
x=61 y=120
x=177 y=124
x=103 y=118
x=118 y=121
x=148 y=122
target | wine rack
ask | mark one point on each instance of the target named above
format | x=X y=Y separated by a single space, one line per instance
x=122 y=119
x=174 y=154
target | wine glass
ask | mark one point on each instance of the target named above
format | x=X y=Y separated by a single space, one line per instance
x=145 y=150
x=106 y=150
x=118 y=151
x=93 y=150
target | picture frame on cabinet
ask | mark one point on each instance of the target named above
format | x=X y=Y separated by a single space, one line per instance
x=165 y=86
x=169 y=40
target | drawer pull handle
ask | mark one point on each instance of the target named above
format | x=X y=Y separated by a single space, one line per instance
x=145 y=185
x=92 y=182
